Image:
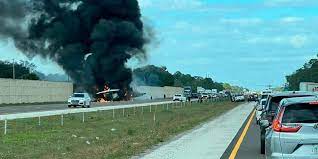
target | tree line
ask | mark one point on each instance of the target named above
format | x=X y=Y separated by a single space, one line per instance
x=159 y=76
x=18 y=70
x=148 y=75
x=307 y=73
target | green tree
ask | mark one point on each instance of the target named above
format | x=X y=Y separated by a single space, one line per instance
x=307 y=73
x=23 y=70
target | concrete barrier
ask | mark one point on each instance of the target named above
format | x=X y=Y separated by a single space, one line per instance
x=33 y=91
x=159 y=92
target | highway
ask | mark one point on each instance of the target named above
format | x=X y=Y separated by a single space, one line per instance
x=249 y=147
x=207 y=141
x=247 y=131
x=12 y=109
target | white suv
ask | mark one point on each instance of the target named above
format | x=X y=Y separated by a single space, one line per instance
x=79 y=99
x=179 y=97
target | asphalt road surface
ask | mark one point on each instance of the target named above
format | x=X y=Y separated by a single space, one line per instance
x=250 y=146
x=207 y=141
x=11 y=109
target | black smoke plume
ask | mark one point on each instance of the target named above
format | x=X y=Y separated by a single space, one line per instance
x=67 y=31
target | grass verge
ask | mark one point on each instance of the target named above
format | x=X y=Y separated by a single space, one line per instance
x=131 y=132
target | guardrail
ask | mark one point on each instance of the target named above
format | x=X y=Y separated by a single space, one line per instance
x=40 y=114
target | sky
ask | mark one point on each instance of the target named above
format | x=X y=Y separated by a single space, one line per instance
x=250 y=43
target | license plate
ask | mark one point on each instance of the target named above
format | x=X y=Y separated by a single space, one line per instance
x=315 y=149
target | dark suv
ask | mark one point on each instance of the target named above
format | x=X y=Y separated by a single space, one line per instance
x=271 y=106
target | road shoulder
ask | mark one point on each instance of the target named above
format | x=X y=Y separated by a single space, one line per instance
x=210 y=140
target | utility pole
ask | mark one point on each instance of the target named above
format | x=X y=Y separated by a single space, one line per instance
x=13 y=70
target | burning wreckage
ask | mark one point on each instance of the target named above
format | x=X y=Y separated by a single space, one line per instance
x=92 y=40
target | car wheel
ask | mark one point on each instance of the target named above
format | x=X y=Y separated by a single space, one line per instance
x=69 y=106
x=262 y=141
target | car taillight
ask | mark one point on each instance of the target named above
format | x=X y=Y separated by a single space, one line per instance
x=277 y=125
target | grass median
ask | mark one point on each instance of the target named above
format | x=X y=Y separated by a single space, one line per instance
x=130 y=133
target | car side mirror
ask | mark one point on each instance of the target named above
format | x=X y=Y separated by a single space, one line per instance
x=264 y=123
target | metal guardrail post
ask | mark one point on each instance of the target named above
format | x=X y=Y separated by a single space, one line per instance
x=113 y=113
x=83 y=118
x=39 y=122
x=142 y=110
x=123 y=112
x=150 y=108
x=5 y=127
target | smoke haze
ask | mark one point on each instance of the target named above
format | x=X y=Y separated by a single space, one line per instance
x=66 y=31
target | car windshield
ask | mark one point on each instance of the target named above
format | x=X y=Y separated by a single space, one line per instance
x=78 y=95
x=178 y=95
x=301 y=113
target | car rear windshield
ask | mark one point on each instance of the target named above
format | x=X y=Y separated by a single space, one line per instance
x=301 y=113
x=178 y=95
x=274 y=103
x=78 y=95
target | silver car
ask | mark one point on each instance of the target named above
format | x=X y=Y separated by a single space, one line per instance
x=294 y=131
x=259 y=109
x=79 y=99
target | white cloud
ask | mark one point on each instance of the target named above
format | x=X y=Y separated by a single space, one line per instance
x=276 y=40
x=172 y=4
x=298 y=41
x=270 y=59
x=242 y=21
x=291 y=20
x=290 y=3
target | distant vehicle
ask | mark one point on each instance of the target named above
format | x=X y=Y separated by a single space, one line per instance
x=259 y=109
x=271 y=106
x=294 y=130
x=264 y=96
x=252 y=97
x=239 y=98
x=187 y=91
x=195 y=95
x=200 y=90
x=205 y=96
x=268 y=91
x=179 y=97
x=308 y=86
x=214 y=96
x=79 y=99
